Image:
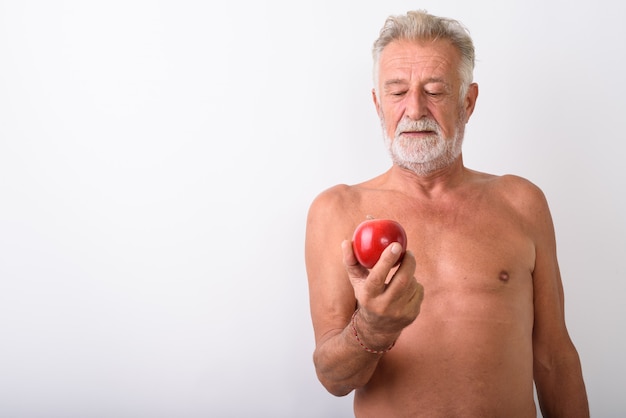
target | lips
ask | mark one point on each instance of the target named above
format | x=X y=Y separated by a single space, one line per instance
x=417 y=133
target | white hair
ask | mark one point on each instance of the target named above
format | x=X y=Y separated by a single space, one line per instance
x=419 y=25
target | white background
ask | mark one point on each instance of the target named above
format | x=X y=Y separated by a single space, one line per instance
x=157 y=160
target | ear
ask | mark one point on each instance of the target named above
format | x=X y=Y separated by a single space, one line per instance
x=376 y=102
x=470 y=100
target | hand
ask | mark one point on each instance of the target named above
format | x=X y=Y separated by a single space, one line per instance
x=386 y=307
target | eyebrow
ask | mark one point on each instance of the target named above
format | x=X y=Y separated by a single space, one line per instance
x=400 y=81
x=394 y=82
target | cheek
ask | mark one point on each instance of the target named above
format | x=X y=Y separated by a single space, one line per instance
x=390 y=118
x=449 y=120
x=389 y=126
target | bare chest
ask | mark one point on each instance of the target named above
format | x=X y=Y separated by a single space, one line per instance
x=471 y=255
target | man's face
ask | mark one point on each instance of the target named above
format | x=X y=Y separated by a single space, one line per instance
x=418 y=102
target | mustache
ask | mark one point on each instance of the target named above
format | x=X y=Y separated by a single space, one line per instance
x=424 y=124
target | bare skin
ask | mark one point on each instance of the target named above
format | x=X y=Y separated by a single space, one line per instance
x=475 y=307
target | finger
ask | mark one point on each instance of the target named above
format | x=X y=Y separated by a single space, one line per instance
x=403 y=285
x=389 y=257
x=416 y=299
x=406 y=270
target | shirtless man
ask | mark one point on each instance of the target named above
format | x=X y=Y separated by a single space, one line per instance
x=474 y=313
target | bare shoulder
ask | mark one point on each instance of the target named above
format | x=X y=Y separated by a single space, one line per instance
x=331 y=216
x=526 y=199
x=523 y=194
x=332 y=202
x=345 y=203
x=333 y=196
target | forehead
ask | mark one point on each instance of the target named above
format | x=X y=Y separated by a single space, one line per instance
x=420 y=59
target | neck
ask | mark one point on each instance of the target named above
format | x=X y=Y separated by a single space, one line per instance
x=432 y=184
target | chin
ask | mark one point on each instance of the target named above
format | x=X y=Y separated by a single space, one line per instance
x=426 y=168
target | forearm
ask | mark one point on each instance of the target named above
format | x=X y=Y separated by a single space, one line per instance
x=561 y=389
x=347 y=360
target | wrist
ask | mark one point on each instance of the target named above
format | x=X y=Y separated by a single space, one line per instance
x=371 y=347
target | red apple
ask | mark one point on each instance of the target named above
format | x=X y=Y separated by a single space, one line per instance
x=372 y=236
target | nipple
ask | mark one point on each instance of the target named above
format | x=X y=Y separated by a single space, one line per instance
x=504 y=276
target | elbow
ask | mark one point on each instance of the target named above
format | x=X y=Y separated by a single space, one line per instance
x=335 y=388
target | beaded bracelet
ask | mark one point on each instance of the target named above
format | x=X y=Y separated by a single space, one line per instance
x=356 y=335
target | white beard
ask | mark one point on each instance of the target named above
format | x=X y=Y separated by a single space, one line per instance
x=427 y=155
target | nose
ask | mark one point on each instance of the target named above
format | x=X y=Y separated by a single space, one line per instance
x=416 y=105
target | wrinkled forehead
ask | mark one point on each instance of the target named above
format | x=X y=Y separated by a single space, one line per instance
x=429 y=58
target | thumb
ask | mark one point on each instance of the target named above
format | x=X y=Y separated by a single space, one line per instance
x=378 y=274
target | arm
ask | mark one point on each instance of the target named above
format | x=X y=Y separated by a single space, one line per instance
x=337 y=282
x=557 y=369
